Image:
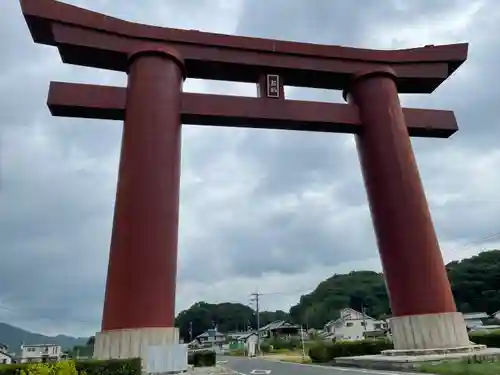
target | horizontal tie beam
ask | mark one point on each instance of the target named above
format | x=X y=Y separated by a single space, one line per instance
x=107 y=102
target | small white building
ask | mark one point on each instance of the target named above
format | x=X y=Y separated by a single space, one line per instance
x=474 y=320
x=353 y=325
x=5 y=357
x=40 y=353
x=251 y=344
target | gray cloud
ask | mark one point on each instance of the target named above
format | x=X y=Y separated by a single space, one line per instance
x=268 y=209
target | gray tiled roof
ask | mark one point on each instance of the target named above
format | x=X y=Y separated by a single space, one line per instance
x=277 y=324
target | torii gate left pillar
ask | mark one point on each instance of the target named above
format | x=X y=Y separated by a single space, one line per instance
x=146 y=210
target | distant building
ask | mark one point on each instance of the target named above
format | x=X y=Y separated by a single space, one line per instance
x=475 y=320
x=41 y=353
x=354 y=325
x=5 y=357
x=496 y=315
x=280 y=329
x=251 y=344
x=211 y=338
x=239 y=337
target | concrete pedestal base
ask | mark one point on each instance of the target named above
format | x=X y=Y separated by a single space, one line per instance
x=412 y=362
x=430 y=331
x=132 y=343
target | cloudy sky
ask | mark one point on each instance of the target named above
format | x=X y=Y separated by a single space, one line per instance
x=273 y=210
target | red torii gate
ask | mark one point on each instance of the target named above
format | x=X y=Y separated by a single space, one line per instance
x=140 y=290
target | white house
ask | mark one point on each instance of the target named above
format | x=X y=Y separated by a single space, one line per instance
x=353 y=325
x=40 y=353
x=475 y=320
x=5 y=357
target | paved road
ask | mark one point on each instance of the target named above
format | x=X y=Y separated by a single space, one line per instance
x=257 y=366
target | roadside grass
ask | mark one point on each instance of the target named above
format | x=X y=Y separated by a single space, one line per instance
x=286 y=355
x=291 y=359
x=462 y=368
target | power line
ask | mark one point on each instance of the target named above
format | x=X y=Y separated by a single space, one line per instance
x=480 y=240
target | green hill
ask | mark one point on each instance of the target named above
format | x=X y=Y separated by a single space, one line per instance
x=475 y=283
x=13 y=337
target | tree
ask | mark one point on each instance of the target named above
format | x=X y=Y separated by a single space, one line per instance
x=226 y=316
x=354 y=290
x=475 y=284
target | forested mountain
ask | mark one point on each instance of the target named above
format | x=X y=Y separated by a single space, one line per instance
x=475 y=283
x=340 y=291
x=13 y=337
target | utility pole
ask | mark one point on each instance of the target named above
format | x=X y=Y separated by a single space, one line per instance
x=303 y=343
x=190 y=332
x=363 y=311
x=256 y=296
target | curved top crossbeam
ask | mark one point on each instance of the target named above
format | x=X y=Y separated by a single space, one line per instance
x=88 y=38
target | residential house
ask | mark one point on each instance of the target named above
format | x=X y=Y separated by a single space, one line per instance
x=211 y=338
x=240 y=340
x=239 y=337
x=41 y=353
x=354 y=325
x=280 y=329
x=5 y=357
x=475 y=320
x=496 y=315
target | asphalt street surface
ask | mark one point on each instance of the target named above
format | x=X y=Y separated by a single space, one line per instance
x=258 y=366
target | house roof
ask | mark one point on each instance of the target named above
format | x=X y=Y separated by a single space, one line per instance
x=241 y=335
x=345 y=314
x=37 y=345
x=277 y=324
x=211 y=333
x=6 y=354
x=248 y=335
x=476 y=315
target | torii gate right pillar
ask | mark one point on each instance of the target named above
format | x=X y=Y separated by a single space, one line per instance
x=423 y=308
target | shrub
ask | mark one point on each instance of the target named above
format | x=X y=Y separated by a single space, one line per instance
x=91 y=367
x=280 y=344
x=110 y=367
x=361 y=347
x=54 y=368
x=322 y=352
x=491 y=339
x=265 y=347
x=202 y=358
x=319 y=352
